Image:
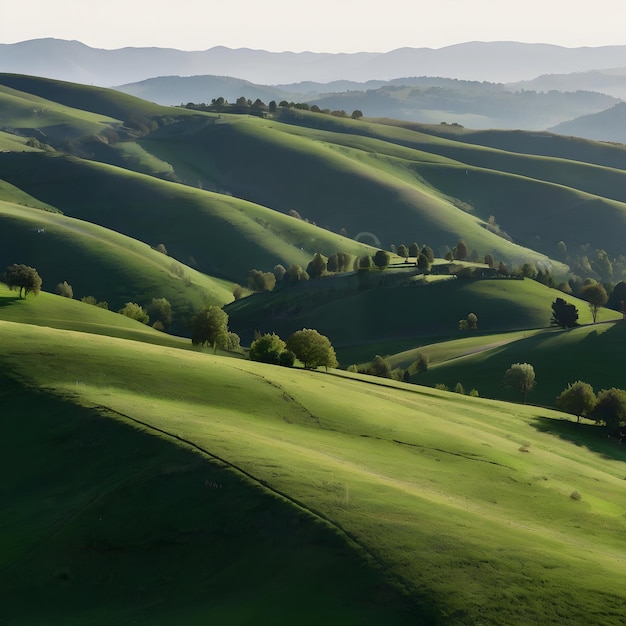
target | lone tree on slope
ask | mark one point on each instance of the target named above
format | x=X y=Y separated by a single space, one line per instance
x=24 y=278
x=313 y=349
x=564 y=314
x=209 y=327
x=520 y=376
x=578 y=399
x=597 y=297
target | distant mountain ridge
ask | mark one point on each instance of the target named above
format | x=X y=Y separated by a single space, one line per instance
x=485 y=61
x=474 y=104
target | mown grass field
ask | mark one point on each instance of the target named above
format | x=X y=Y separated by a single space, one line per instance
x=465 y=502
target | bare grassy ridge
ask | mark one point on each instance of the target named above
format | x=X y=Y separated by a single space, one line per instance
x=465 y=501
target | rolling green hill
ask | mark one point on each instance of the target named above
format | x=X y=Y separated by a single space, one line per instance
x=474 y=507
x=590 y=353
x=395 y=181
x=102 y=263
x=390 y=318
x=150 y=483
x=217 y=234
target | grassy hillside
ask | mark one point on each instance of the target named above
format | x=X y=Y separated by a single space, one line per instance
x=590 y=353
x=167 y=535
x=370 y=184
x=388 y=319
x=466 y=502
x=397 y=181
x=217 y=234
x=50 y=310
x=86 y=98
x=102 y=263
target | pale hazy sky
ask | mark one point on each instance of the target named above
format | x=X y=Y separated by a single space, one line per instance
x=316 y=25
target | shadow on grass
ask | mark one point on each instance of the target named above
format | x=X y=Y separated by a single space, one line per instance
x=590 y=436
x=7 y=300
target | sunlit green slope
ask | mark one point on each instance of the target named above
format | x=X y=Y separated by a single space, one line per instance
x=481 y=512
x=388 y=319
x=592 y=353
x=218 y=234
x=102 y=263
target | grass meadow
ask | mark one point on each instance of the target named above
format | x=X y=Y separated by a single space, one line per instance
x=467 y=503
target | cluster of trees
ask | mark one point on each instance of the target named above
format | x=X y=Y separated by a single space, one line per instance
x=424 y=257
x=590 y=263
x=22 y=278
x=607 y=407
x=469 y=323
x=381 y=367
x=159 y=310
x=209 y=327
x=565 y=314
x=307 y=345
x=258 y=107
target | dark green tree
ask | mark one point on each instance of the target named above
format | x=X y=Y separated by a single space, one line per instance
x=379 y=367
x=595 y=294
x=160 y=310
x=617 y=297
x=267 y=349
x=356 y=114
x=414 y=250
x=428 y=253
x=610 y=407
x=279 y=272
x=364 y=263
x=313 y=349
x=564 y=314
x=261 y=281
x=64 y=289
x=578 y=399
x=381 y=259
x=295 y=274
x=23 y=278
x=403 y=251
x=135 y=312
x=421 y=363
x=520 y=376
x=423 y=263
x=209 y=326
x=317 y=267
x=460 y=251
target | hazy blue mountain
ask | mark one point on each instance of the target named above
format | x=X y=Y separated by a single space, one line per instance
x=609 y=125
x=174 y=90
x=609 y=81
x=418 y=99
x=495 y=62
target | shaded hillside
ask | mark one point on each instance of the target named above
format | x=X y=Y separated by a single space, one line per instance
x=162 y=535
x=560 y=357
x=102 y=263
x=217 y=234
x=607 y=125
x=367 y=319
